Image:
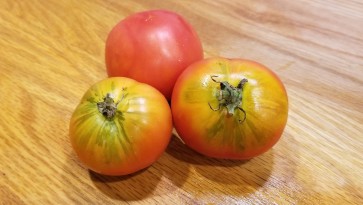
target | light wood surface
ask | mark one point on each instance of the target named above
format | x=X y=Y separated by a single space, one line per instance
x=52 y=51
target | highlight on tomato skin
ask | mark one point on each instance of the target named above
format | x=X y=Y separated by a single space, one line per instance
x=229 y=108
x=152 y=47
x=115 y=129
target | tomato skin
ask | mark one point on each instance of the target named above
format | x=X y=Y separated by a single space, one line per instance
x=152 y=47
x=215 y=133
x=133 y=139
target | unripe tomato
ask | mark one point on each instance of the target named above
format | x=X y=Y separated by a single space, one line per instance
x=120 y=126
x=152 y=47
x=233 y=109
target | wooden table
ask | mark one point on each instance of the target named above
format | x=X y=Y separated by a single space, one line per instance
x=52 y=51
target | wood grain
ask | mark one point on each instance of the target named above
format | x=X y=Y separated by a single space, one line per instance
x=52 y=51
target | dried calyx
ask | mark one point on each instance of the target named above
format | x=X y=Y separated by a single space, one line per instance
x=108 y=106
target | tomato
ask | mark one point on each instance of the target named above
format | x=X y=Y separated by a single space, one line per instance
x=120 y=126
x=229 y=108
x=152 y=47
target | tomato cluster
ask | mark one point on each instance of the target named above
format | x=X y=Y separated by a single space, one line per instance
x=222 y=108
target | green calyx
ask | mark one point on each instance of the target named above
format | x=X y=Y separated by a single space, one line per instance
x=230 y=96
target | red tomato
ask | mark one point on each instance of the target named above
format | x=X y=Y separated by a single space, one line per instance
x=234 y=109
x=152 y=47
x=115 y=129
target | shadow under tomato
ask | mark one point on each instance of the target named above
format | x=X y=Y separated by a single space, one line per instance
x=222 y=176
x=131 y=187
x=154 y=180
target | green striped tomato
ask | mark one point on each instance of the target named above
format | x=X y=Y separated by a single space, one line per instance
x=229 y=108
x=120 y=126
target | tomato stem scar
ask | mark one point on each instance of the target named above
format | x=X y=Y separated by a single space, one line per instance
x=230 y=97
x=107 y=107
